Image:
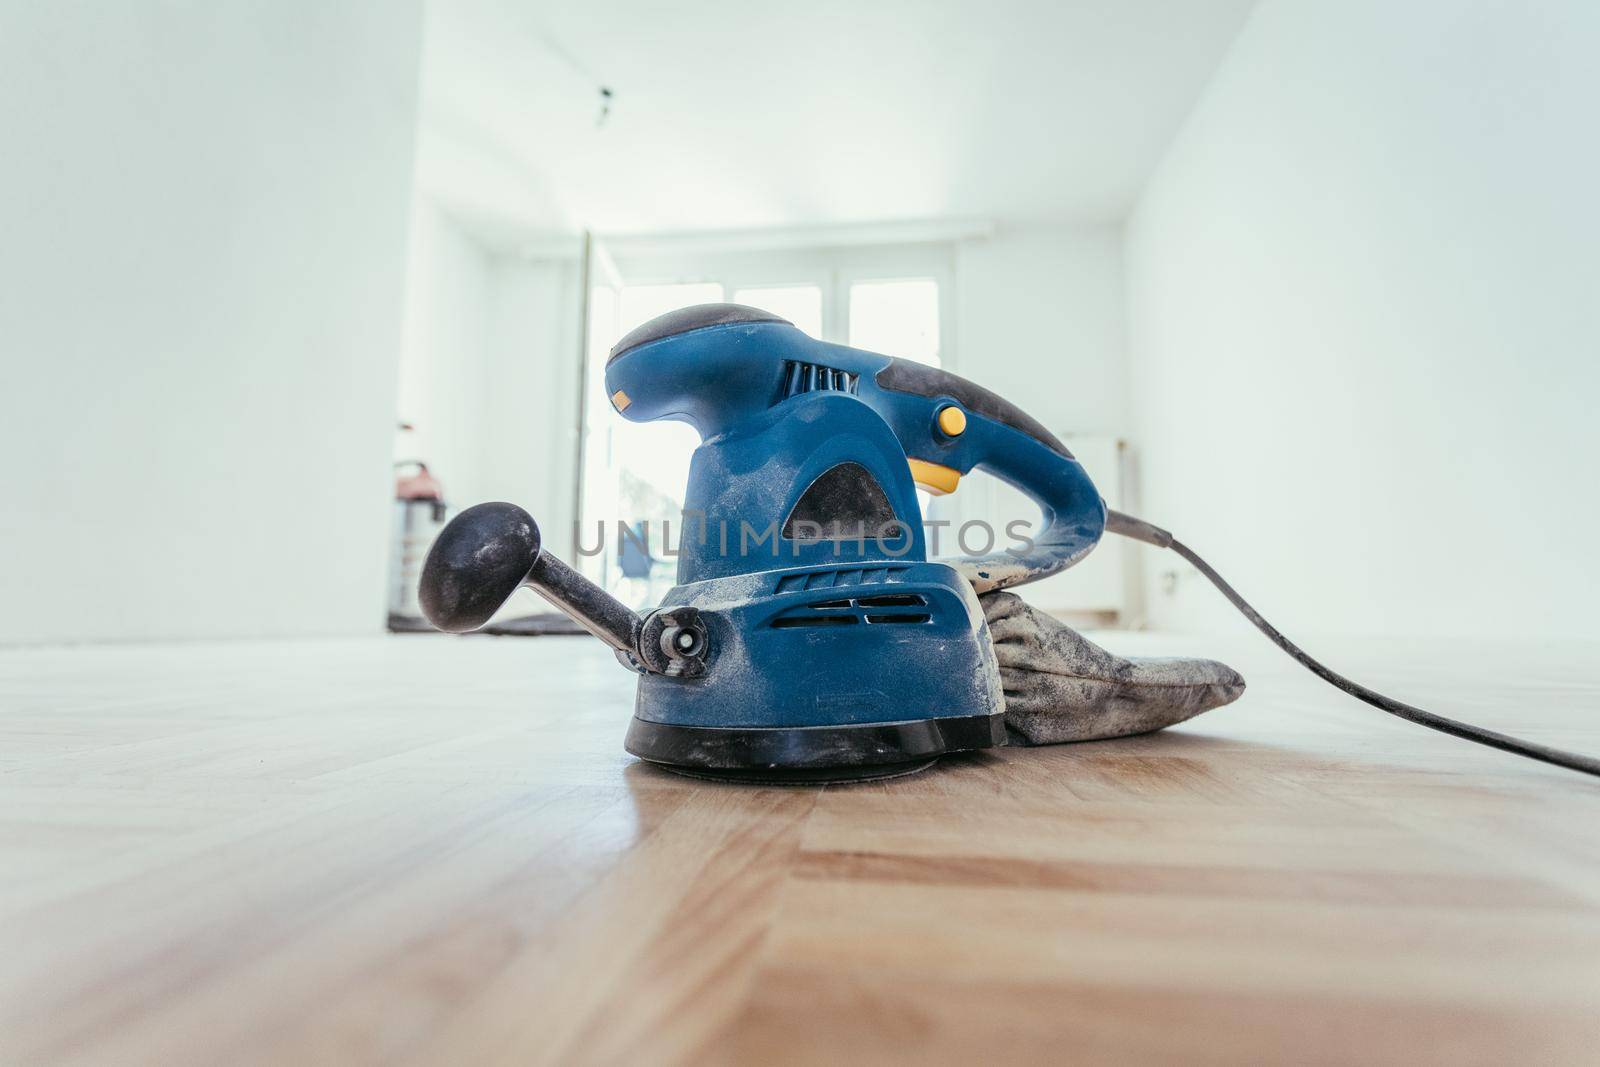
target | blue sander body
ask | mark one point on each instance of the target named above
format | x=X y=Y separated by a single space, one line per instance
x=809 y=636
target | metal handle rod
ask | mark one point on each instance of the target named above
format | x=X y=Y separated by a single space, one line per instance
x=596 y=610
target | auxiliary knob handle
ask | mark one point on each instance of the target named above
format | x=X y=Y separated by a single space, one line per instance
x=482 y=556
x=476 y=563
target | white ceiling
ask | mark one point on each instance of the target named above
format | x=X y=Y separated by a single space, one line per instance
x=762 y=114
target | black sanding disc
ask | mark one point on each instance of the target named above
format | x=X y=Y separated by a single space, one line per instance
x=804 y=775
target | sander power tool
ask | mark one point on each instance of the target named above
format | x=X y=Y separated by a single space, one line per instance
x=809 y=635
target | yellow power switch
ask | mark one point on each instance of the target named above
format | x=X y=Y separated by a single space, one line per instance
x=952 y=420
x=620 y=400
x=935 y=478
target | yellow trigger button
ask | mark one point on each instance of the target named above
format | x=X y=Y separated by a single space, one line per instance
x=933 y=477
x=952 y=420
x=620 y=400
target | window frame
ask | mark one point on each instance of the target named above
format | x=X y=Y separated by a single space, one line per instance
x=833 y=270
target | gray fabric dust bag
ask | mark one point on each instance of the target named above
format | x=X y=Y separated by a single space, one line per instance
x=1061 y=687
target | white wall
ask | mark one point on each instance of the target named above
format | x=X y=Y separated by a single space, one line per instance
x=535 y=310
x=489 y=375
x=444 y=371
x=203 y=210
x=1041 y=319
x=1365 y=347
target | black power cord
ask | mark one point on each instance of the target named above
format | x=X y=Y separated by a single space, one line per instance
x=1139 y=530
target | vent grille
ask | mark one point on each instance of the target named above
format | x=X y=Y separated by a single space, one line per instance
x=801 y=377
x=890 y=609
x=793 y=583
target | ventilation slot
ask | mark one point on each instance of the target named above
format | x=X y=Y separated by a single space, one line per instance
x=867 y=609
x=790 y=583
x=893 y=600
x=795 y=622
x=801 y=377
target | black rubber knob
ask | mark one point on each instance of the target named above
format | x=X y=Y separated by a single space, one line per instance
x=476 y=563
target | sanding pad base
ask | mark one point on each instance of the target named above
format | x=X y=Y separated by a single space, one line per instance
x=804 y=775
x=811 y=755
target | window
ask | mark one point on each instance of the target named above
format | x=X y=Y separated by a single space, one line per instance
x=800 y=304
x=897 y=318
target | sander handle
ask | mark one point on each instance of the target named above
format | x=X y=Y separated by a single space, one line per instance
x=947 y=426
x=489 y=551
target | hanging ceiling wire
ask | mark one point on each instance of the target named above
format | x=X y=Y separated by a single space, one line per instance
x=554 y=46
